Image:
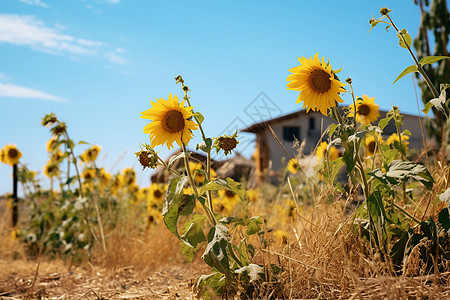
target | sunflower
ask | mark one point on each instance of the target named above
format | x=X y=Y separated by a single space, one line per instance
x=128 y=178
x=333 y=152
x=10 y=155
x=51 y=169
x=170 y=122
x=252 y=196
x=394 y=138
x=155 y=196
x=90 y=155
x=199 y=177
x=371 y=144
x=89 y=174
x=316 y=81
x=51 y=144
x=366 y=110
x=293 y=166
x=226 y=202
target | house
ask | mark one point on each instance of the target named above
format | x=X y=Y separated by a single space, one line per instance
x=310 y=128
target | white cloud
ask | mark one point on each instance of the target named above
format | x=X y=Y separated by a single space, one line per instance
x=114 y=58
x=34 y=2
x=28 y=31
x=15 y=91
x=4 y=77
x=112 y=1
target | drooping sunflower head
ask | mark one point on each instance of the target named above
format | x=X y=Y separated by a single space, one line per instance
x=170 y=122
x=90 y=155
x=321 y=151
x=319 y=89
x=10 y=155
x=366 y=110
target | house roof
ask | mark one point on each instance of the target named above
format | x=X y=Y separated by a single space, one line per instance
x=261 y=126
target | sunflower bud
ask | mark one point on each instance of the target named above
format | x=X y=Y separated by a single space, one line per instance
x=384 y=11
x=348 y=80
x=226 y=143
x=179 y=79
x=148 y=158
x=185 y=88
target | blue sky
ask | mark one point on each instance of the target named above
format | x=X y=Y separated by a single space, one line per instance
x=98 y=63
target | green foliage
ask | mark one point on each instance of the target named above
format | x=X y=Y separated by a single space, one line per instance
x=400 y=171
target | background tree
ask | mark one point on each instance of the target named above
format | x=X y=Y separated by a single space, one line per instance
x=435 y=18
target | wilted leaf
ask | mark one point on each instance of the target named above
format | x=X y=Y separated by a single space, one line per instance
x=205 y=146
x=171 y=208
x=200 y=118
x=253 y=271
x=215 y=254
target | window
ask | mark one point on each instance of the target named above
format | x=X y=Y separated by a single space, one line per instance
x=312 y=123
x=291 y=133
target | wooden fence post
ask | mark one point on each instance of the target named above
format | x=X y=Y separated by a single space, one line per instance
x=15 y=199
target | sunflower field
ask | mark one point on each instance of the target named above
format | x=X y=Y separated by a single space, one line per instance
x=383 y=232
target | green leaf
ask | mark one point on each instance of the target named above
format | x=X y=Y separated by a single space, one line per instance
x=200 y=118
x=335 y=166
x=333 y=127
x=253 y=224
x=403 y=36
x=215 y=254
x=384 y=122
x=205 y=146
x=431 y=59
x=412 y=68
x=253 y=271
x=192 y=236
x=173 y=201
x=187 y=205
x=227 y=184
x=427 y=108
x=390 y=155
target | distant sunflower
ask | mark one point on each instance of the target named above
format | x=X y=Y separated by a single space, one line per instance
x=394 y=138
x=199 y=177
x=90 y=155
x=293 y=166
x=51 y=144
x=321 y=151
x=319 y=90
x=155 y=196
x=89 y=174
x=252 y=195
x=366 y=110
x=10 y=155
x=170 y=122
x=51 y=169
x=128 y=178
x=371 y=144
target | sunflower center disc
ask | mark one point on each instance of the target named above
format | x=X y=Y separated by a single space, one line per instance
x=371 y=147
x=173 y=121
x=229 y=194
x=320 y=81
x=363 y=110
x=157 y=194
x=13 y=153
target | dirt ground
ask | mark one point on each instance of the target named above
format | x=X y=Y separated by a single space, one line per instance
x=18 y=280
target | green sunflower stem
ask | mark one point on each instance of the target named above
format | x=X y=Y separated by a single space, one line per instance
x=354 y=105
x=207 y=210
x=208 y=157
